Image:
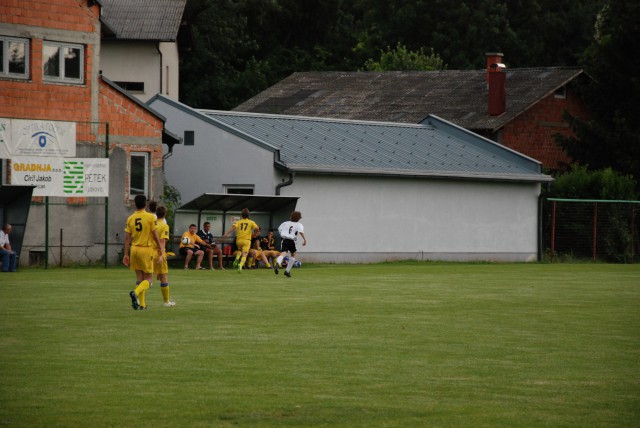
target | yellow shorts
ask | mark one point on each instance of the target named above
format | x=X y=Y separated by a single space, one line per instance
x=243 y=245
x=142 y=258
x=161 y=268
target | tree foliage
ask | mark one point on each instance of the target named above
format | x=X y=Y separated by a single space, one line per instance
x=237 y=48
x=611 y=137
x=582 y=183
x=402 y=59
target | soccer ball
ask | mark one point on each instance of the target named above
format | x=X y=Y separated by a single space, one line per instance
x=185 y=240
x=285 y=262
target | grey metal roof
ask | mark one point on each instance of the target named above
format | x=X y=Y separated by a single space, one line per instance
x=157 y=20
x=436 y=148
x=408 y=96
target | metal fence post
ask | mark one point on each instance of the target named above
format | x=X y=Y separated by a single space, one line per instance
x=553 y=230
x=595 y=228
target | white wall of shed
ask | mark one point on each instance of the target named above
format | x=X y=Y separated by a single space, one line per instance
x=370 y=219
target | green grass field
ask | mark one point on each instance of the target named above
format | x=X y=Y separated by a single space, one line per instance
x=396 y=345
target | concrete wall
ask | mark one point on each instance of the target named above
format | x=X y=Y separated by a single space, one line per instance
x=368 y=219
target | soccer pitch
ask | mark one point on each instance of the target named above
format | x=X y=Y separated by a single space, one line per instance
x=411 y=344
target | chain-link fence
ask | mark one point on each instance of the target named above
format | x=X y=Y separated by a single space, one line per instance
x=588 y=229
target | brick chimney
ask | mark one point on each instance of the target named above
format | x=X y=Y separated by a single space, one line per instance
x=496 y=81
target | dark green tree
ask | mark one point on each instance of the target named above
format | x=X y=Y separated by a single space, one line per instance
x=548 y=32
x=611 y=137
x=236 y=48
x=217 y=54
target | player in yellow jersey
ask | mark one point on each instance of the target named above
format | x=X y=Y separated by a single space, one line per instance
x=244 y=231
x=256 y=254
x=161 y=267
x=139 y=250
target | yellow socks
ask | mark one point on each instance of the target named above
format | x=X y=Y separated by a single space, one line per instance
x=165 y=292
x=141 y=291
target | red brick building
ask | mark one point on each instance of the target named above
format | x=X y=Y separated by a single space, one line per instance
x=533 y=131
x=50 y=72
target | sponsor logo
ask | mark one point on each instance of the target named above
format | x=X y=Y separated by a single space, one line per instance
x=73 y=177
x=41 y=137
x=32 y=167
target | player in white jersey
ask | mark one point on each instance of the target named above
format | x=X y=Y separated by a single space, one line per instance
x=289 y=232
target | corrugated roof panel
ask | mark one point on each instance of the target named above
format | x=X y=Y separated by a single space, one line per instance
x=459 y=96
x=144 y=19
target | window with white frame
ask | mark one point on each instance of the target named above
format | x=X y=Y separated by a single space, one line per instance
x=14 y=57
x=139 y=174
x=561 y=92
x=63 y=62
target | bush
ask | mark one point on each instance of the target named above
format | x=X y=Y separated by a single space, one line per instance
x=574 y=221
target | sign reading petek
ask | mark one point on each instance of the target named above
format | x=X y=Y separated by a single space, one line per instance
x=48 y=138
x=62 y=176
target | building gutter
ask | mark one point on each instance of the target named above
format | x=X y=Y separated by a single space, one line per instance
x=161 y=60
x=459 y=175
x=289 y=182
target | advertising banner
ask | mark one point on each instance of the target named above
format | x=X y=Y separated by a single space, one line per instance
x=19 y=137
x=62 y=176
x=5 y=136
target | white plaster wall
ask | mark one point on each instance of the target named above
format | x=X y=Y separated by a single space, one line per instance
x=218 y=158
x=132 y=62
x=170 y=70
x=366 y=219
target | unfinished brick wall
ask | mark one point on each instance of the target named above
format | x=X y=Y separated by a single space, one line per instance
x=35 y=98
x=126 y=118
x=72 y=15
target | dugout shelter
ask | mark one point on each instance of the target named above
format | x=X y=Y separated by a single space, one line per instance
x=222 y=210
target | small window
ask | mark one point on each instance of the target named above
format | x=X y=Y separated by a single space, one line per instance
x=14 y=57
x=561 y=92
x=239 y=190
x=63 y=62
x=137 y=87
x=139 y=174
x=189 y=138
